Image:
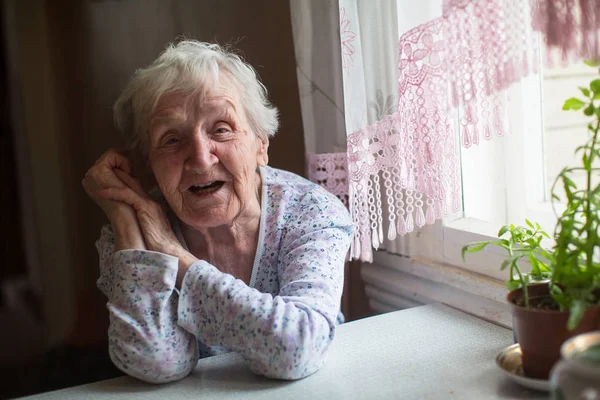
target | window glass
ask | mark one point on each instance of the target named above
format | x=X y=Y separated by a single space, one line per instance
x=564 y=131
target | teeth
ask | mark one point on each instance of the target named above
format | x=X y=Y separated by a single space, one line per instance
x=204 y=185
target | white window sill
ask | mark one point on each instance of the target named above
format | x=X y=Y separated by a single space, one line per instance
x=394 y=282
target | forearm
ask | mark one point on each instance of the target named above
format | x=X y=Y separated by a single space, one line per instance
x=144 y=338
x=126 y=229
x=281 y=337
x=128 y=235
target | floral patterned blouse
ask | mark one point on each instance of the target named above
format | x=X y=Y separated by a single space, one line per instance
x=282 y=323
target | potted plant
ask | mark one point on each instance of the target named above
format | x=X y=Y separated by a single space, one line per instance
x=558 y=295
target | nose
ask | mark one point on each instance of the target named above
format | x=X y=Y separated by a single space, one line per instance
x=201 y=154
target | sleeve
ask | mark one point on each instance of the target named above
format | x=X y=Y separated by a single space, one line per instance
x=144 y=338
x=285 y=336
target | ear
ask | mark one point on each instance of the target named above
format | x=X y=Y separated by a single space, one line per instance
x=262 y=155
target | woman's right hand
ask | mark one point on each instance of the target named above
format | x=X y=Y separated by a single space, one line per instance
x=102 y=176
x=121 y=215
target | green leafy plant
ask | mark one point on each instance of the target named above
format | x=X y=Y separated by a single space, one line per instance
x=576 y=276
x=571 y=266
x=520 y=243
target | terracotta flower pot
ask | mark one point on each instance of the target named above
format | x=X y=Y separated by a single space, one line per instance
x=540 y=333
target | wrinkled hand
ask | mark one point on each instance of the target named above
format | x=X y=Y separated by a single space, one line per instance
x=122 y=216
x=155 y=226
x=102 y=176
x=138 y=221
x=153 y=221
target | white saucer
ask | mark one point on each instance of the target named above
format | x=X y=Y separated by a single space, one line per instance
x=509 y=362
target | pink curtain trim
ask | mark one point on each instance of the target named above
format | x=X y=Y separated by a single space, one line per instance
x=571 y=26
x=330 y=171
x=392 y=173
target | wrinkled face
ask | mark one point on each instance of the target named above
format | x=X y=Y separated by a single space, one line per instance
x=204 y=155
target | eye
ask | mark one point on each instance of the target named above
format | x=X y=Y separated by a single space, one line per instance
x=170 y=139
x=223 y=130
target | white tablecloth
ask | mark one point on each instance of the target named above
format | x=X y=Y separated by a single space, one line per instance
x=428 y=352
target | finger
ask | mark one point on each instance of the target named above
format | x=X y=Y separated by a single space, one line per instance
x=130 y=181
x=124 y=195
x=89 y=185
x=117 y=160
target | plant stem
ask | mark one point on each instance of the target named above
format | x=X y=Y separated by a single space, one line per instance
x=524 y=286
x=589 y=229
x=514 y=267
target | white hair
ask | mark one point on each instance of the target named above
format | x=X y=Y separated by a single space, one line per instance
x=188 y=67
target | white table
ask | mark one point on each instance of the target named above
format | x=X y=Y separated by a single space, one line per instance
x=428 y=352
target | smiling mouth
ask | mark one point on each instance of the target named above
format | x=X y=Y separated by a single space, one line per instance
x=207 y=188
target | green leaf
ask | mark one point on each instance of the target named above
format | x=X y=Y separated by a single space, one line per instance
x=591 y=63
x=477 y=248
x=585 y=91
x=509 y=261
x=595 y=85
x=543 y=267
x=463 y=251
x=583 y=147
x=568 y=182
x=573 y=104
x=512 y=285
x=577 y=309
x=503 y=230
x=467 y=249
x=529 y=224
x=556 y=291
x=586 y=161
x=589 y=110
x=535 y=267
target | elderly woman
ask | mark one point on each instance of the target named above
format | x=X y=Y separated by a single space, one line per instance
x=225 y=253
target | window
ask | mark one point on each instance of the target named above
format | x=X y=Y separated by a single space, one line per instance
x=508 y=179
x=505 y=180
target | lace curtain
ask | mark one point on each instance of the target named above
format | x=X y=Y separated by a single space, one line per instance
x=420 y=79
